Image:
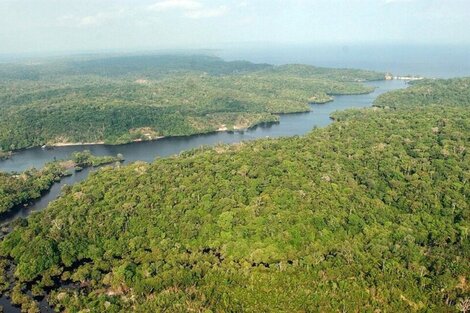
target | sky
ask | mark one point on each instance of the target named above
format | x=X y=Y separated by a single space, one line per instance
x=31 y=26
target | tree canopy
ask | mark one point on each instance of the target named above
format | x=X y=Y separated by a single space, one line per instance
x=21 y=188
x=368 y=214
x=123 y=99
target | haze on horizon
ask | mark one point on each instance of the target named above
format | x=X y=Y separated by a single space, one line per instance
x=30 y=26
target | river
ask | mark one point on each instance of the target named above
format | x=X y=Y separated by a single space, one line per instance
x=290 y=125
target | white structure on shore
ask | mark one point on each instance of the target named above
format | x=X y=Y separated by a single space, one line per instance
x=408 y=77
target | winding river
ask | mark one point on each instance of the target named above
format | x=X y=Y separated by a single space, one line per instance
x=290 y=125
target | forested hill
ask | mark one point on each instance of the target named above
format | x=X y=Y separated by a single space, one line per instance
x=160 y=65
x=455 y=92
x=150 y=66
x=122 y=99
x=368 y=214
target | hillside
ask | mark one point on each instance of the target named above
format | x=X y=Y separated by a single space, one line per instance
x=369 y=214
x=122 y=99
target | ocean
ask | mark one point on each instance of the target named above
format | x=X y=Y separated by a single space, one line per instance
x=433 y=61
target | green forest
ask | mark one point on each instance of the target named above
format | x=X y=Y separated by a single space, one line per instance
x=370 y=214
x=131 y=98
x=21 y=188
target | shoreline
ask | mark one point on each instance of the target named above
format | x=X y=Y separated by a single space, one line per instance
x=220 y=129
x=69 y=144
x=69 y=168
x=74 y=144
x=102 y=143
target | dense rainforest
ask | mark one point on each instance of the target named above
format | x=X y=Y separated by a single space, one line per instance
x=370 y=214
x=21 y=188
x=131 y=98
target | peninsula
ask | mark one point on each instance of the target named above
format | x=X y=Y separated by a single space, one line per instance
x=118 y=100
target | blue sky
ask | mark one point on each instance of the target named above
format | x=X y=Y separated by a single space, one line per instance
x=88 y=25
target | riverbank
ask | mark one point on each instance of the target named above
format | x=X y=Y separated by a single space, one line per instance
x=21 y=189
x=71 y=144
x=221 y=128
x=5 y=155
x=117 y=214
x=286 y=125
x=292 y=124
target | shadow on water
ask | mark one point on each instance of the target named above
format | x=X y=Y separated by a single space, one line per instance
x=8 y=307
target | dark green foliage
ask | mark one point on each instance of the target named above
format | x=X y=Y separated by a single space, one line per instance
x=307 y=71
x=158 y=65
x=429 y=92
x=86 y=158
x=20 y=188
x=122 y=99
x=369 y=214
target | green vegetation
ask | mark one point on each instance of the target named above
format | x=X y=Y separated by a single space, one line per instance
x=21 y=188
x=454 y=92
x=86 y=159
x=369 y=214
x=122 y=99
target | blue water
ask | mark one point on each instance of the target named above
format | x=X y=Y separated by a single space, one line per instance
x=430 y=61
x=426 y=60
x=290 y=125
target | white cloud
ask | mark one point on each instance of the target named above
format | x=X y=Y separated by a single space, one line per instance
x=190 y=8
x=92 y=20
